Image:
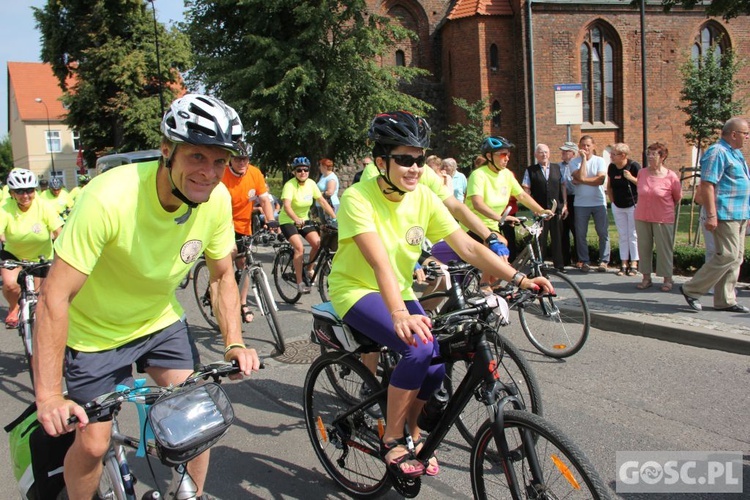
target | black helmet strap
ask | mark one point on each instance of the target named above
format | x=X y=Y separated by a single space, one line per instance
x=386 y=176
x=190 y=204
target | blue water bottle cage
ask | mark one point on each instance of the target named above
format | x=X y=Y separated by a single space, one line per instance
x=147 y=431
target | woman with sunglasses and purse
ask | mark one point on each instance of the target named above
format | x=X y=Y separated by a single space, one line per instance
x=297 y=196
x=27 y=226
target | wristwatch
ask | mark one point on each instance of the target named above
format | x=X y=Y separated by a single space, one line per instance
x=518 y=278
x=492 y=237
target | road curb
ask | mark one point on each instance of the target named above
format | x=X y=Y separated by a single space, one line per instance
x=671 y=332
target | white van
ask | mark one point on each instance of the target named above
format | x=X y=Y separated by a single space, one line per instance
x=109 y=162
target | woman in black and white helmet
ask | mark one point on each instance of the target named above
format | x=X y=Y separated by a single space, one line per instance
x=382 y=224
x=27 y=228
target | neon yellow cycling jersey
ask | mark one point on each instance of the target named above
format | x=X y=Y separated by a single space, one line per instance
x=302 y=197
x=27 y=234
x=495 y=188
x=402 y=227
x=61 y=202
x=429 y=178
x=135 y=255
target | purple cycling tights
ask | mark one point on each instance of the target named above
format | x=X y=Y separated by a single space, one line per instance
x=371 y=317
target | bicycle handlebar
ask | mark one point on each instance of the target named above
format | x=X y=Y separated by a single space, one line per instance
x=149 y=394
x=538 y=219
x=26 y=264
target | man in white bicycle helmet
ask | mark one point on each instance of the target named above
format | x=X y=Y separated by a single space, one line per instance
x=109 y=301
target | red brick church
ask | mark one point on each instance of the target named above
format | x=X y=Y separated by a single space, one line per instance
x=514 y=53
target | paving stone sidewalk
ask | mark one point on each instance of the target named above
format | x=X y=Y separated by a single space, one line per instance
x=617 y=305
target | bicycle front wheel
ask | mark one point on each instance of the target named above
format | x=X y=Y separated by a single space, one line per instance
x=348 y=448
x=284 y=276
x=201 y=280
x=558 y=326
x=266 y=304
x=325 y=270
x=563 y=470
x=514 y=370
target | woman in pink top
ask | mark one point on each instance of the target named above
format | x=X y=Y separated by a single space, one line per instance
x=659 y=190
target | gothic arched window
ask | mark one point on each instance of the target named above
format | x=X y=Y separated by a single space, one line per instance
x=494 y=59
x=710 y=35
x=496 y=122
x=602 y=88
x=400 y=58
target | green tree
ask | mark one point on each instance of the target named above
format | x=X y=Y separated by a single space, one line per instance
x=467 y=136
x=103 y=54
x=709 y=87
x=306 y=77
x=727 y=8
x=6 y=158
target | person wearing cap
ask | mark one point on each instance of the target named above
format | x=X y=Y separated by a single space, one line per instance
x=109 y=300
x=568 y=151
x=589 y=174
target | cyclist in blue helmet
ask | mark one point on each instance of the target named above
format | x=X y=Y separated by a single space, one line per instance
x=297 y=196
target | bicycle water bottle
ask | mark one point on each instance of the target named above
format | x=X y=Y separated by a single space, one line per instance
x=433 y=410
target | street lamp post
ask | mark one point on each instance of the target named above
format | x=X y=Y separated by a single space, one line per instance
x=158 y=62
x=49 y=135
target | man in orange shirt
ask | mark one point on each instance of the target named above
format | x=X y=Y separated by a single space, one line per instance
x=247 y=186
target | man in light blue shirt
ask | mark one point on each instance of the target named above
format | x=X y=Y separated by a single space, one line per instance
x=457 y=178
x=725 y=181
x=589 y=173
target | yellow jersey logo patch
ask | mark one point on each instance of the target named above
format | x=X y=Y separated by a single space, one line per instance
x=190 y=251
x=415 y=236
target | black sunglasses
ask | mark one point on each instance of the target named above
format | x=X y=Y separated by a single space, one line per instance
x=300 y=170
x=24 y=191
x=407 y=160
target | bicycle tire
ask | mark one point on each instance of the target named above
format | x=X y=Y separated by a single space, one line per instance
x=284 y=276
x=557 y=326
x=266 y=305
x=563 y=465
x=25 y=331
x=325 y=270
x=349 y=452
x=201 y=280
x=514 y=367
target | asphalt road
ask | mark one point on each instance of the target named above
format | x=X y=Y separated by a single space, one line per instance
x=619 y=393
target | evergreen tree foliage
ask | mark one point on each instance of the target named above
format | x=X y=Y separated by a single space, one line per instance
x=305 y=77
x=466 y=137
x=103 y=54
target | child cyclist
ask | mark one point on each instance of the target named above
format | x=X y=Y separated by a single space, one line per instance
x=382 y=224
